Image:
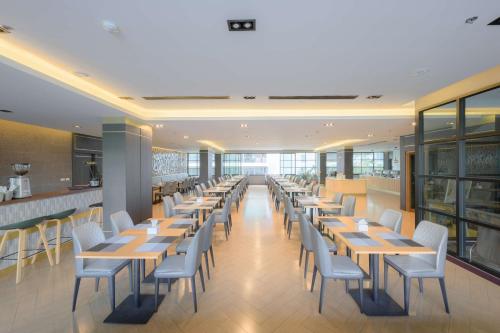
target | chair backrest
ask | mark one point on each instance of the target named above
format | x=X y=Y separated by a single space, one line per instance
x=198 y=190
x=207 y=237
x=434 y=236
x=337 y=197
x=203 y=186
x=392 y=219
x=85 y=236
x=168 y=207
x=178 y=199
x=193 y=253
x=289 y=208
x=305 y=233
x=120 y=221
x=227 y=205
x=348 y=206
x=315 y=190
x=321 y=253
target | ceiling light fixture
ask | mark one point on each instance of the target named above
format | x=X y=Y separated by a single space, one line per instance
x=373 y=97
x=370 y=135
x=249 y=97
x=328 y=124
x=450 y=123
x=471 y=20
x=127 y=98
x=495 y=21
x=81 y=74
x=110 y=26
x=5 y=29
x=76 y=126
x=6 y=111
x=339 y=143
x=243 y=125
x=414 y=124
x=420 y=71
x=211 y=144
x=241 y=25
x=159 y=125
x=186 y=137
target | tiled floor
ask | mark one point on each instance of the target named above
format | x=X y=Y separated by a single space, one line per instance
x=257 y=286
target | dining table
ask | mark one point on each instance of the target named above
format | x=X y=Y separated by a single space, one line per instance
x=313 y=202
x=376 y=241
x=137 y=244
x=218 y=190
x=199 y=204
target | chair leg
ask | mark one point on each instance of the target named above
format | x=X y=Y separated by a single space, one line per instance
x=96 y=284
x=421 y=285
x=157 y=291
x=131 y=277
x=111 y=290
x=321 y=293
x=284 y=220
x=75 y=293
x=193 y=286
x=315 y=270
x=407 y=285
x=202 y=278
x=206 y=264
x=301 y=253
x=169 y=285
x=225 y=229
x=306 y=263
x=346 y=286
x=212 y=255
x=361 y=302
x=143 y=268
x=45 y=245
x=386 y=275
x=443 y=291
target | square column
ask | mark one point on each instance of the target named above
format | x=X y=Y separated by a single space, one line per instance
x=344 y=162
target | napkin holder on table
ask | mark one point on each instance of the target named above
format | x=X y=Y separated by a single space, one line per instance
x=363 y=225
x=152 y=231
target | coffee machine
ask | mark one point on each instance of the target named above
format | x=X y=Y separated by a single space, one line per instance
x=20 y=183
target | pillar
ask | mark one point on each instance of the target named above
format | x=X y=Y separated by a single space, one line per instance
x=218 y=165
x=322 y=168
x=127 y=169
x=344 y=162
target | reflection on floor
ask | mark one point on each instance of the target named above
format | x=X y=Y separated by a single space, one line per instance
x=256 y=286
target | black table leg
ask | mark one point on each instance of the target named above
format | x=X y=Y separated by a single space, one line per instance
x=137 y=282
x=375 y=269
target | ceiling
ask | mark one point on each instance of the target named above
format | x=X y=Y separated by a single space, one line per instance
x=401 y=50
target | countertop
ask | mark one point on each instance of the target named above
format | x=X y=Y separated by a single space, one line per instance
x=46 y=195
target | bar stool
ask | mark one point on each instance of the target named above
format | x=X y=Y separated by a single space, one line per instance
x=96 y=213
x=21 y=228
x=57 y=220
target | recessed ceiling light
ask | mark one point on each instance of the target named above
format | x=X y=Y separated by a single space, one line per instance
x=76 y=126
x=420 y=71
x=256 y=143
x=495 y=21
x=5 y=29
x=186 y=136
x=110 y=26
x=451 y=123
x=249 y=97
x=127 y=98
x=241 y=25
x=370 y=135
x=413 y=124
x=471 y=20
x=374 y=96
x=243 y=125
x=159 y=125
x=81 y=74
x=6 y=111
x=247 y=136
x=328 y=124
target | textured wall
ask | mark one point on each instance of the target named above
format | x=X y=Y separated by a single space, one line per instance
x=48 y=151
x=168 y=162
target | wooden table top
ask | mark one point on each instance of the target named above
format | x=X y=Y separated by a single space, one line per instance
x=136 y=243
x=317 y=202
x=218 y=189
x=207 y=203
x=296 y=189
x=377 y=240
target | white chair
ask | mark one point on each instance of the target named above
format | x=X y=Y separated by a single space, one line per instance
x=198 y=191
x=206 y=243
x=85 y=237
x=168 y=208
x=178 y=200
x=333 y=267
x=348 y=206
x=422 y=266
x=307 y=242
x=337 y=199
x=182 y=266
x=120 y=221
x=223 y=217
x=391 y=219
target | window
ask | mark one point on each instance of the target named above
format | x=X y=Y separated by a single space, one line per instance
x=331 y=163
x=482 y=112
x=440 y=122
x=305 y=163
x=193 y=164
x=287 y=164
x=378 y=162
x=364 y=163
x=232 y=164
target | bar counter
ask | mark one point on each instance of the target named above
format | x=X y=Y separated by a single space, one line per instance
x=383 y=184
x=346 y=186
x=43 y=204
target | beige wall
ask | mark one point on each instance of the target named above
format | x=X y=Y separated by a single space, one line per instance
x=48 y=151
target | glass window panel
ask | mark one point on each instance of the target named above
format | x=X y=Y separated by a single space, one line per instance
x=482 y=112
x=447 y=222
x=483 y=157
x=440 y=194
x=440 y=159
x=482 y=246
x=482 y=201
x=356 y=171
x=439 y=122
x=356 y=156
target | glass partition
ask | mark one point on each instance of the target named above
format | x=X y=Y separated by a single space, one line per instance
x=482 y=112
x=440 y=122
